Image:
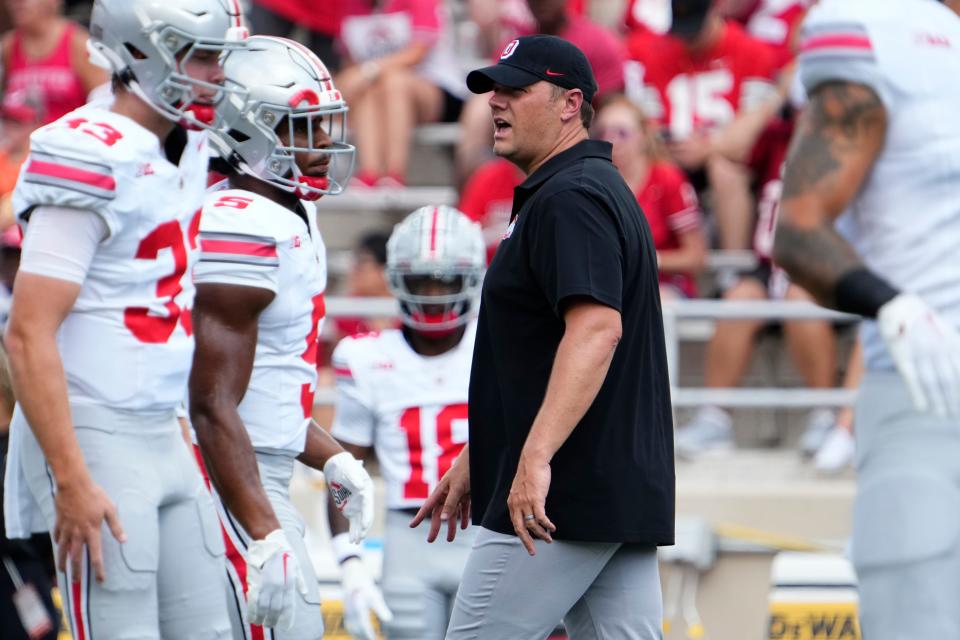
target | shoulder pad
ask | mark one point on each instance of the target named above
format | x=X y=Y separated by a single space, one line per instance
x=67 y=167
x=241 y=212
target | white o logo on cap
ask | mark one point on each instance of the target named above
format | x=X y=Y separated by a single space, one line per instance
x=509 y=49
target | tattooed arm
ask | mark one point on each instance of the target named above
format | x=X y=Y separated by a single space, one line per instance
x=838 y=138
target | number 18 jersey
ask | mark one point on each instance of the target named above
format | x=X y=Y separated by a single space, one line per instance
x=411 y=408
x=127 y=343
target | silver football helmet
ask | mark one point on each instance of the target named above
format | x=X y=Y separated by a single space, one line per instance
x=441 y=243
x=286 y=85
x=146 y=43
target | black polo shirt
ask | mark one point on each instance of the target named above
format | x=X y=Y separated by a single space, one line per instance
x=576 y=231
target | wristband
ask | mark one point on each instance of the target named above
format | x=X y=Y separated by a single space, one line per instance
x=343 y=549
x=863 y=292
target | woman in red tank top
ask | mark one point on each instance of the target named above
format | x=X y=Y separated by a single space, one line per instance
x=668 y=200
x=45 y=59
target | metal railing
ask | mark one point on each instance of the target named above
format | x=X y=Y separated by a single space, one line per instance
x=675 y=313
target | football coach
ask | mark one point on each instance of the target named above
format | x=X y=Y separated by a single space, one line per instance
x=569 y=469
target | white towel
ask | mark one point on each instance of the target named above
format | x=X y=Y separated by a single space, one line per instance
x=20 y=510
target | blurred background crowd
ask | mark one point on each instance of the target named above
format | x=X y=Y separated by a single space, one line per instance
x=698 y=98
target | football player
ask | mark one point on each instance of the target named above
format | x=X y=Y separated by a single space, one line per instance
x=100 y=336
x=259 y=307
x=403 y=394
x=875 y=151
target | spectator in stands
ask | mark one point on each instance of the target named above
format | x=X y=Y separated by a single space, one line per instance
x=17 y=119
x=837 y=451
x=667 y=199
x=774 y=22
x=811 y=343
x=603 y=49
x=487 y=198
x=401 y=71
x=693 y=82
x=320 y=19
x=771 y=21
x=45 y=59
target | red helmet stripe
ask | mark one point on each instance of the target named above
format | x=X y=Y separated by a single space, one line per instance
x=238 y=14
x=433 y=230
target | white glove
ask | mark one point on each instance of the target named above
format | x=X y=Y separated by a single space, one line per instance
x=273 y=578
x=352 y=491
x=360 y=597
x=926 y=351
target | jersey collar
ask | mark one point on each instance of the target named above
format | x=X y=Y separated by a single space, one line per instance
x=578 y=152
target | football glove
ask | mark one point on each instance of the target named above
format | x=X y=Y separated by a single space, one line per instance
x=926 y=351
x=273 y=578
x=352 y=492
x=360 y=597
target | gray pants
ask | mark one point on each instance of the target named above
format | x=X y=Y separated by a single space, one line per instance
x=906 y=521
x=276 y=471
x=420 y=579
x=607 y=591
x=167 y=580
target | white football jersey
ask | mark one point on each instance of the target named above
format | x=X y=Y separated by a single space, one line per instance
x=249 y=240
x=905 y=222
x=127 y=343
x=411 y=408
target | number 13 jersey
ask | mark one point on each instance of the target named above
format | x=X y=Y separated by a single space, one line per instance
x=411 y=408
x=127 y=343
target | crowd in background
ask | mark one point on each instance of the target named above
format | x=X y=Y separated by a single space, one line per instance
x=698 y=98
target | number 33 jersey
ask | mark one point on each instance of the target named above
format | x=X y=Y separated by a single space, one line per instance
x=251 y=241
x=411 y=408
x=127 y=342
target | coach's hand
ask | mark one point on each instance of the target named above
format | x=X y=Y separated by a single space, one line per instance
x=273 y=579
x=926 y=351
x=352 y=491
x=82 y=507
x=361 y=597
x=449 y=502
x=527 y=501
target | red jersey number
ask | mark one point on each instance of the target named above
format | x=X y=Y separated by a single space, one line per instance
x=233 y=202
x=155 y=329
x=309 y=355
x=102 y=131
x=416 y=487
x=699 y=101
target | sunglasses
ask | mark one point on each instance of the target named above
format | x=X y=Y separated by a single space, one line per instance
x=615 y=133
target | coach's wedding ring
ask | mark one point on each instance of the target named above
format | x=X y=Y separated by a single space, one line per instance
x=528 y=517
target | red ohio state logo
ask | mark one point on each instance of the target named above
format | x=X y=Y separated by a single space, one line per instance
x=509 y=49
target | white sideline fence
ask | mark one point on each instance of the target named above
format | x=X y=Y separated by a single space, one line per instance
x=675 y=313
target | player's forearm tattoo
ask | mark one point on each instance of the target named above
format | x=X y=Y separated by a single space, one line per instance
x=841 y=121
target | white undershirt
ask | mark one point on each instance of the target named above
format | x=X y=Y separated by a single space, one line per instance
x=60 y=242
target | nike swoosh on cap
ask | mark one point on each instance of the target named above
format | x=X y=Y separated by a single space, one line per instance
x=554 y=74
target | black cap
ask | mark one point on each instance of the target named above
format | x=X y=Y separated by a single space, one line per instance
x=688 y=16
x=530 y=59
